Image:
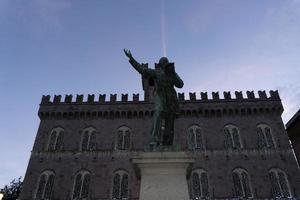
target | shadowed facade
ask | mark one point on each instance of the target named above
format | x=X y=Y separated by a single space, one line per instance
x=83 y=147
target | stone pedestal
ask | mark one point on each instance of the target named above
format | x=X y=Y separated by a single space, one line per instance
x=163 y=175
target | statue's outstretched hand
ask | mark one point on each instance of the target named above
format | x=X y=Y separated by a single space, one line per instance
x=128 y=53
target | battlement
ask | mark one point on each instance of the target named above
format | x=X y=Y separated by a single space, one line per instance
x=101 y=98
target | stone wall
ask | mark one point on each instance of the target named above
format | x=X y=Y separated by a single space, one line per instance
x=211 y=115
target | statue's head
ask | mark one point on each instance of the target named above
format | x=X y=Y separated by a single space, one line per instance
x=167 y=67
x=163 y=62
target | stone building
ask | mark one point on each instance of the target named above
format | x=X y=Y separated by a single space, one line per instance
x=293 y=130
x=83 y=147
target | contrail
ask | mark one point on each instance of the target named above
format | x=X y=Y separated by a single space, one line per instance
x=163 y=28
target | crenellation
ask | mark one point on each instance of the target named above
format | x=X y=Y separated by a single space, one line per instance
x=215 y=96
x=262 y=94
x=124 y=98
x=90 y=98
x=181 y=96
x=79 y=98
x=274 y=94
x=45 y=99
x=238 y=94
x=227 y=95
x=192 y=96
x=111 y=111
x=204 y=96
x=135 y=97
x=102 y=98
x=113 y=97
x=57 y=99
x=68 y=98
x=250 y=95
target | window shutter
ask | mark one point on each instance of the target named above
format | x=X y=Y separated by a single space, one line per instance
x=237 y=185
x=204 y=185
x=270 y=142
x=49 y=186
x=85 y=186
x=261 y=138
x=77 y=187
x=59 y=141
x=126 y=140
x=246 y=185
x=275 y=185
x=41 y=187
x=124 y=186
x=120 y=140
x=51 y=146
x=199 y=139
x=196 y=185
x=236 y=138
x=85 y=139
x=116 y=187
x=284 y=185
x=191 y=139
x=92 y=142
x=228 y=139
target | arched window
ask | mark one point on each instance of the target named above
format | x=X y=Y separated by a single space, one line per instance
x=81 y=185
x=241 y=183
x=265 y=138
x=232 y=137
x=88 y=141
x=120 y=185
x=280 y=184
x=195 y=137
x=123 y=138
x=199 y=184
x=56 y=139
x=45 y=185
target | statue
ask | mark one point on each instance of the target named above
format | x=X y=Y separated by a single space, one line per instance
x=166 y=102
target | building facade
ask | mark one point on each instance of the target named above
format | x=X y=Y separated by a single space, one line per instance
x=83 y=147
x=293 y=130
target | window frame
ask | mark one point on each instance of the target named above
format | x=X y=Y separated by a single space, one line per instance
x=121 y=173
x=59 y=131
x=229 y=128
x=199 y=172
x=265 y=138
x=194 y=135
x=123 y=130
x=47 y=173
x=276 y=171
x=91 y=131
x=83 y=174
x=239 y=172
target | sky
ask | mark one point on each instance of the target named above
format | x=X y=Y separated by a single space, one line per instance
x=76 y=47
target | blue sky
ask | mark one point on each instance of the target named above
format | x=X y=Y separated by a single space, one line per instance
x=75 y=47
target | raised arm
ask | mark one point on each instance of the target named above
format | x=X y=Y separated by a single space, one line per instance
x=141 y=68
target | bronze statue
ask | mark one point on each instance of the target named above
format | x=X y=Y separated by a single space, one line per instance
x=166 y=102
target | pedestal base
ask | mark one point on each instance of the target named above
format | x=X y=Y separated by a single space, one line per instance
x=163 y=175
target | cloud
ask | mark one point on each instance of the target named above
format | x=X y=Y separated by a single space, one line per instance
x=280 y=29
x=267 y=59
x=35 y=15
x=251 y=75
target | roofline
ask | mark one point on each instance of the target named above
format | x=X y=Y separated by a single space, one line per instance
x=291 y=121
